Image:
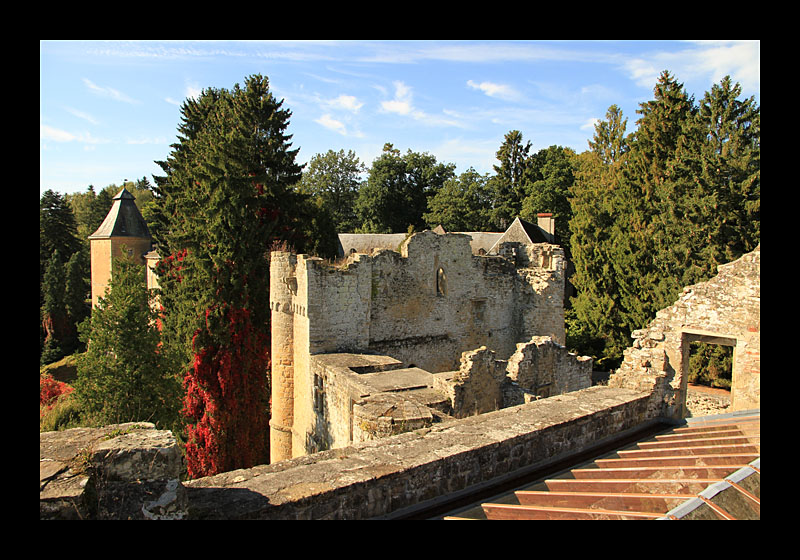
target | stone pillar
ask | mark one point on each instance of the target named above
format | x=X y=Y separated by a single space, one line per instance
x=281 y=288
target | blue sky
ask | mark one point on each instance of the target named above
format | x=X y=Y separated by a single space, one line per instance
x=109 y=109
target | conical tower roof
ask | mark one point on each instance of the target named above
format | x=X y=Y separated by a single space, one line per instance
x=123 y=220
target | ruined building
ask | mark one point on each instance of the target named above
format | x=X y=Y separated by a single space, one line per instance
x=361 y=356
x=399 y=339
x=409 y=331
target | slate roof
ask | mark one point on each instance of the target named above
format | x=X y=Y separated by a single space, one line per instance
x=123 y=220
x=519 y=230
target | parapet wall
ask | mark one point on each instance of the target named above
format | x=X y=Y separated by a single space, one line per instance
x=394 y=475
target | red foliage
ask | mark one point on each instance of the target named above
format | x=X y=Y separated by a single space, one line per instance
x=225 y=402
x=50 y=391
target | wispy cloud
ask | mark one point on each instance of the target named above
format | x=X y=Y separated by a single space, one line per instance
x=57 y=135
x=403 y=104
x=701 y=61
x=81 y=115
x=500 y=91
x=108 y=92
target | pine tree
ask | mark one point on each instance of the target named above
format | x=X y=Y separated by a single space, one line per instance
x=510 y=178
x=647 y=198
x=122 y=376
x=227 y=197
x=55 y=322
x=594 y=322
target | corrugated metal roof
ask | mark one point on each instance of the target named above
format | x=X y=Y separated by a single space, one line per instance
x=123 y=220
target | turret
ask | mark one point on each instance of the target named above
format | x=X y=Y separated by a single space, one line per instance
x=124 y=226
x=281 y=288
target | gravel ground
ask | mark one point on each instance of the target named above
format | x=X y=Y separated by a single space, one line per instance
x=702 y=402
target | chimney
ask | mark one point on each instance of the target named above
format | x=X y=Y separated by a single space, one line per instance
x=546 y=222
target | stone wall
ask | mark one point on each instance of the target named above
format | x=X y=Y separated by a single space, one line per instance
x=423 y=306
x=122 y=471
x=390 y=476
x=538 y=368
x=724 y=310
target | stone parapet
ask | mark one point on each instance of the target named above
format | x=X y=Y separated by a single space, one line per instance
x=394 y=475
x=121 y=471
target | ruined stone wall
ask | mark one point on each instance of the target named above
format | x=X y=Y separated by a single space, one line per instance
x=387 y=476
x=538 y=368
x=724 y=310
x=423 y=306
x=121 y=471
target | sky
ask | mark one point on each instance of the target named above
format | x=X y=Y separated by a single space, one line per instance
x=109 y=109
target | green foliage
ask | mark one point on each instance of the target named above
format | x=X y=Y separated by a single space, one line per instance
x=710 y=364
x=397 y=191
x=122 y=376
x=333 y=180
x=227 y=197
x=661 y=208
x=462 y=204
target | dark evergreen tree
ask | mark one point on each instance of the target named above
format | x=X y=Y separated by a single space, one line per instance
x=227 y=196
x=57 y=229
x=594 y=325
x=510 y=179
x=55 y=322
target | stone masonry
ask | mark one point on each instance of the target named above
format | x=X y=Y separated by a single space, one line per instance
x=423 y=306
x=121 y=471
x=724 y=310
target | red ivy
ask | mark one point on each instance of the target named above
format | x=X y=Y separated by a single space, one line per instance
x=225 y=400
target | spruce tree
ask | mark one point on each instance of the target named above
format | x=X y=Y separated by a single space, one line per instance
x=122 y=376
x=228 y=195
x=510 y=178
x=594 y=324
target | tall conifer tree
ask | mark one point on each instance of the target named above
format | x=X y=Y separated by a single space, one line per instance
x=227 y=197
x=594 y=322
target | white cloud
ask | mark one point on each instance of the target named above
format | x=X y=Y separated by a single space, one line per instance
x=703 y=62
x=346 y=102
x=500 y=91
x=332 y=124
x=108 y=92
x=401 y=104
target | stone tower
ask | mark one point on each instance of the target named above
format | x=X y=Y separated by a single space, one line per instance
x=283 y=286
x=123 y=226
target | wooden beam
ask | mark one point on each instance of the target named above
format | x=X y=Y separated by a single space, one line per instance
x=519 y=512
x=693 y=450
x=646 y=485
x=679 y=460
x=658 y=472
x=633 y=501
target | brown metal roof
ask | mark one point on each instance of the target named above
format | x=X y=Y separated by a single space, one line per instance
x=706 y=469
